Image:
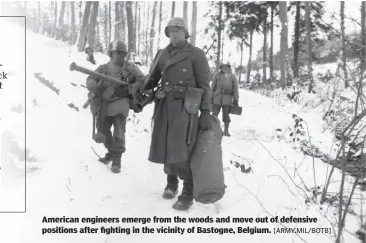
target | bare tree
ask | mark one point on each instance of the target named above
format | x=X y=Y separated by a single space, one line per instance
x=250 y=55
x=344 y=61
x=106 y=20
x=265 y=46
x=135 y=25
x=308 y=40
x=271 y=54
x=59 y=31
x=297 y=40
x=93 y=25
x=54 y=21
x=39 y=18
x=73 y=24
x=139 y=30
x=284 y=47
x=160 y=19
x=84 y=27
x=185 y=11
x=117 y=20
x=194 y=23
x=122 y=22
x=152 y=31
x=219 y=37
x=173 y=9
x=110 y=22
x=131 y=43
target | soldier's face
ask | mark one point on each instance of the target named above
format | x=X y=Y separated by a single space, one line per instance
x=225 y=69
x=176 y=34
x=117 y=57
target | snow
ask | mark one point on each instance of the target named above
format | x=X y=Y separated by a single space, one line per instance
x=66 y=179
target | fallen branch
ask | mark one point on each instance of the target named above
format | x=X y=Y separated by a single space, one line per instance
x=281 y=166
x=264 y=207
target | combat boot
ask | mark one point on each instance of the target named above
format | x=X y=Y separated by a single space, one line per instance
x=107 y=158
x=226 y=131
x=171 y=189
x=116 y=164
x=185 y=200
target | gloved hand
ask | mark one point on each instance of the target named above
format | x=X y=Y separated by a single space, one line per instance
x=92 y=86
x=205 y=120
x=137 y=89
x=235 y=103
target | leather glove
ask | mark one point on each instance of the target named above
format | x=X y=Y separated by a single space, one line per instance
x=235 y=103
x=205 y=120
x=136 y=89
x=92 y=86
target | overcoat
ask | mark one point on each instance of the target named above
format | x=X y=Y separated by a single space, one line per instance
x=222 y=82
x=182 y=71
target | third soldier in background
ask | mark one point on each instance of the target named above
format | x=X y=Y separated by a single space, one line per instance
x=224 y=94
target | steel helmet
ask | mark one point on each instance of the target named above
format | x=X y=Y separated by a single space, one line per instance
x=225 y=64
x=117 y=45
x=178 y=22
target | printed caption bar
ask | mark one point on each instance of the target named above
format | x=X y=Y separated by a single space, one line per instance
x=13 y=153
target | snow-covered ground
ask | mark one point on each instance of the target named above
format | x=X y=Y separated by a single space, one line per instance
x=65 y=178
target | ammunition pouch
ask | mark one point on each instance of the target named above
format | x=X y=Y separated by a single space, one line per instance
x=179 y=92
x=192 y=100
x=227 y=91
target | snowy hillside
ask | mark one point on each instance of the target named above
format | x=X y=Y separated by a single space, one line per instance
x=65 y=178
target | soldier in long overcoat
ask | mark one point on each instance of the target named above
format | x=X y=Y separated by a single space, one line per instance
x=111 y=102
x=225 y=94
x=185 y=90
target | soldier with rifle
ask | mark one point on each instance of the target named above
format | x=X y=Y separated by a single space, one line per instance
x=183 y=93
x=110 y=103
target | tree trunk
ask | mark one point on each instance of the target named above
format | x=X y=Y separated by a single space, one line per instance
x=51 y=19
x=265 y=47
x=250 y=55
x=110 y=22
x=194 y=23
x=308 y=40
x=344 y=66
x=84 y=27
x=185 y=11
x=122 y=22
x=106 y=41
x=160 y=19
x=241 y=58
x=54 y=29
x=60 y=29
x=297 y=40
x=80 y=13
x=135 y=27
x=39 y=18
x=147 y=34
x=117 y=18
x=152 y=31
x=131 y=43
x=271 y=54
x=284 y=47
x=219 y=38
x=173 y=9
x=73 y=24
x=139 y=31
x=92 y=25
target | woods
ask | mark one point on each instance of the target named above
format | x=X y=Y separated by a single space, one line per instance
x=96 y=24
